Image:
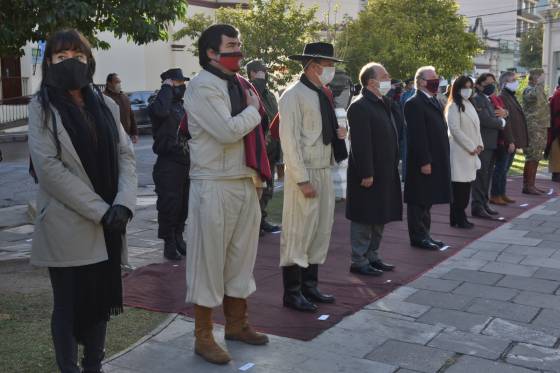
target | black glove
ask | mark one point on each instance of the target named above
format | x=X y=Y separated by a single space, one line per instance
x=116 y=218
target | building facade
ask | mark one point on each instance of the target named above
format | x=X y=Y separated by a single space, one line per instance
x=551 y=47
x=498 y=55
x=500 y=25
x=139 y=66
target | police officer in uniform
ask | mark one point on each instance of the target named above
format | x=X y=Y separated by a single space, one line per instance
x=171 y=170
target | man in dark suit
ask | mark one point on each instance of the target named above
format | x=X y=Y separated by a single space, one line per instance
x=374 y=188
x=491 y=123
x=428 y=176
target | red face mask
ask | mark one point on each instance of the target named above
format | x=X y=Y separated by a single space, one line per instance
x=432 y=85
x=231 y=60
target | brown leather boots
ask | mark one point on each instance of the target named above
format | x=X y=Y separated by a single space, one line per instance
x=237 y=325
x=497 y=200
x=205 y=345
x=529 y=177
x=237 y=329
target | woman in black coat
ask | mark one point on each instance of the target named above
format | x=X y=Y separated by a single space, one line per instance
x=374 y=188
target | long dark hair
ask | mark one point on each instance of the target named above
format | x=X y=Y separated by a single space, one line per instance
x=458 y=84
x=66 y=39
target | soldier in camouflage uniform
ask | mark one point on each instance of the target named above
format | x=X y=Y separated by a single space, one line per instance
x=537 y=111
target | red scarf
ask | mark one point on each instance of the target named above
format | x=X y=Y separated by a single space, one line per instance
x=554 y=129
x=255 y=144
x=498 y=103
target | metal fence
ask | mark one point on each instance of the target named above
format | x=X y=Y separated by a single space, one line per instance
x=14 y=112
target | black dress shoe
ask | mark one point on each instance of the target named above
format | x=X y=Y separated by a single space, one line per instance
x=438 y=242
x=366 y=270
x=425 y=244
x=463 y=225
x=490 y=210
x=269 y=228
x=170 y=249
x=482 y=214
x=385 y=267
x=181 y=244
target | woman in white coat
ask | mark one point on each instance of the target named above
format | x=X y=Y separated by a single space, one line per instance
x=465 y=144
x=84 y=164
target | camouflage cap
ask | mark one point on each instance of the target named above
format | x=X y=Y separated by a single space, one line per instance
x=255 y=65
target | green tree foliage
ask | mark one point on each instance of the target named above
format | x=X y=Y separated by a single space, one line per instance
x=523 y=84
x=406 y=34
x=530 y=47
x=142 y=21
x=270 y=30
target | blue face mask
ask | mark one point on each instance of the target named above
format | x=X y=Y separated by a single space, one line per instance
x=489 y=90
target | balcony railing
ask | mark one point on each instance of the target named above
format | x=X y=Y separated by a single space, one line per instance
x=527 y=14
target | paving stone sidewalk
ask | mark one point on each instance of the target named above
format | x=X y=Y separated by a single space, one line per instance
x=144 y=246
x=494 y=307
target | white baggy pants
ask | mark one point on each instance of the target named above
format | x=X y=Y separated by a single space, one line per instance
x=223 y=233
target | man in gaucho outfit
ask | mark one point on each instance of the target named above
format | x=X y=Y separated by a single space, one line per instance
x=228 y=161
x=311 y=141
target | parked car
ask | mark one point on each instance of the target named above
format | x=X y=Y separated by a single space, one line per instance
x=139 y=101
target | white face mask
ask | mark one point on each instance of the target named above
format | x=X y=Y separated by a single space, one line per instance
x=327 y=75
x=512 y=86
x=466 y=93
x=384 y=87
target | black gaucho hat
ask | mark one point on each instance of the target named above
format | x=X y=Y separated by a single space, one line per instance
x=319 y=50
x=173 y=74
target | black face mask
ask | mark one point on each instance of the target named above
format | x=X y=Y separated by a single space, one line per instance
x=489 y=90
x=69 y=75
x=179 y=91
x=260 y=84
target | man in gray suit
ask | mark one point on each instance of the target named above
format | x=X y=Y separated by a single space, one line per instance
x=492 y=121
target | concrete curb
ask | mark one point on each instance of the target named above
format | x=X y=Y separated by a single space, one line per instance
x=158 y=329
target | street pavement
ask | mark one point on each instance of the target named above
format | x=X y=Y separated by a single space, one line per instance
x=493 y=307
x=17 y=190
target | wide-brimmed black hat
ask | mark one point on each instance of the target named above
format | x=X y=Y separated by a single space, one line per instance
x=319 y=50
x=173 y=74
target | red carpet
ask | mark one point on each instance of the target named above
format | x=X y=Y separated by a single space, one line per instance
x=161 y=287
